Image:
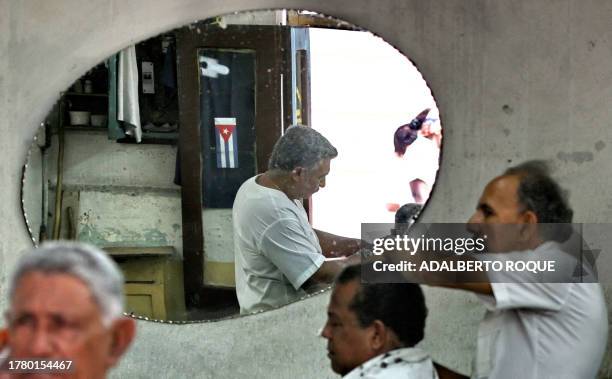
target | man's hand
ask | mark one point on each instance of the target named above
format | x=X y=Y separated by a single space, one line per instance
x=432 y=130
x=392 y=207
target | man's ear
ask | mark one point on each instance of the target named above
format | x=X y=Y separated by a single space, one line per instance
x=296 y=173
x=529 y=217
x=529 y=228
x=123 y=331
x=379 y=336
x=4 y=338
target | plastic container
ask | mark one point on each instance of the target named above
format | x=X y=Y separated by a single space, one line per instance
x=98 y=120
x=79 y=118
x=88 y=86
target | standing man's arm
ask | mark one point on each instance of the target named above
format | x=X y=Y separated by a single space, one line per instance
x=334 y=246
x=330 y=269
x=478 y=288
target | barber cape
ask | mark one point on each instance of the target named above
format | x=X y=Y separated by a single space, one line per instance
x=409 y=362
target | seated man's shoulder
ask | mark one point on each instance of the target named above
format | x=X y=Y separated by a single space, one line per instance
x=401 y=363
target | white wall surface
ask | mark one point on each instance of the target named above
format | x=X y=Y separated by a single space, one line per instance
x=513 y=81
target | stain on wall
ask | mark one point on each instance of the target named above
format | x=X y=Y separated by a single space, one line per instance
x=137 y=218
x=578 y=157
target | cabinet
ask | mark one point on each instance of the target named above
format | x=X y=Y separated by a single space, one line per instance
x=153 y=281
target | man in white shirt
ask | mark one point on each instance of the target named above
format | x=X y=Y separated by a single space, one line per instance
x=417 y=151
x=372 y=329
x=532 y=329
x=276 y=250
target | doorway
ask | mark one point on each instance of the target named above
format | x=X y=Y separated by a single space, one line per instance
x=362 y=90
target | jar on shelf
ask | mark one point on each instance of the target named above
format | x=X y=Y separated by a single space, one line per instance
x=88 y=87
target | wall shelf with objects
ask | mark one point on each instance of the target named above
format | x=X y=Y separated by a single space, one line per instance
x=95 y=100
x=85 y=104
x=153 y=62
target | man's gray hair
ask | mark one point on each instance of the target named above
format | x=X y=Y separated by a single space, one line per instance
x=300 y=146
x=85 y=262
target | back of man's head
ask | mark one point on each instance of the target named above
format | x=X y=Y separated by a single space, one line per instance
x=300 y=146
x=540 y=193
x=400 y=306
x=408 y=213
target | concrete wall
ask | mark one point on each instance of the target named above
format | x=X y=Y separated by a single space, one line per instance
x=92 y=160
x=513 y=80
x=126 y=194
x=123 y=194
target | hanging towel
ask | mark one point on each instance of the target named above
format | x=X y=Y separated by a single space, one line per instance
x=127 y=92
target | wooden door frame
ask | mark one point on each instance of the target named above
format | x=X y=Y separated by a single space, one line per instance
x=269 y=124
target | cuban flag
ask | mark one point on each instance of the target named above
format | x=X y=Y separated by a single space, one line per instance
x=227 y=142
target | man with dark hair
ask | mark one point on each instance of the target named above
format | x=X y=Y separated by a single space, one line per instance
x=372 y=329
x=276 y=250
x=539 y=193
x=533 y=329
x=408 y=213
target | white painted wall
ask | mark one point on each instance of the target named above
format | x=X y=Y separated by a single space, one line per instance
x=513 y=80
x=92 y=160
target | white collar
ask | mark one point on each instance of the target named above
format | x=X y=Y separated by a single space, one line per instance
x=390 y=362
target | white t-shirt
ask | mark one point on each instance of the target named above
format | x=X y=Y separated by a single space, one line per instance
x=409 y=363
x=541 y=330
x=276 y=250
x=421 y=161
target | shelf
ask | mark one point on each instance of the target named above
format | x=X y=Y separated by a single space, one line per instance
x=147 y=137
x=135 y=251
x=85 y=128
x=172 y=190
x=85 y=94
x=160 y=135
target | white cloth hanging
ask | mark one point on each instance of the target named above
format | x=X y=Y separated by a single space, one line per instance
x=127 y=92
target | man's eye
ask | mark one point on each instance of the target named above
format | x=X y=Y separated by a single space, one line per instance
x=61 y=322
x=486 y=211
x=23 y=320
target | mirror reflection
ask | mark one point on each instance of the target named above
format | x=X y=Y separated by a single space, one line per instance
x=144 y=154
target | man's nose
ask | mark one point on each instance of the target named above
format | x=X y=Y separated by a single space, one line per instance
x=41 y=344
x=324 y=332
x=473 y=224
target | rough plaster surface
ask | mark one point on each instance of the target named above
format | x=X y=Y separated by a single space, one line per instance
x=218 y=235
x=130 y=219
x=90 y=159
x=513 y=80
